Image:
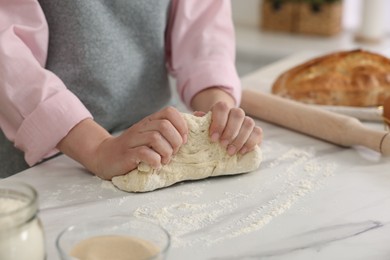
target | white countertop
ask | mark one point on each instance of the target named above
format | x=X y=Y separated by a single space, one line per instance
x=308 y=200
x=256 y=48
x=254 y=41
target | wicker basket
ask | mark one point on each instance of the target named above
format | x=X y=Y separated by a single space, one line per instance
x=278 y=16
x=324 y=19
x=299 y=17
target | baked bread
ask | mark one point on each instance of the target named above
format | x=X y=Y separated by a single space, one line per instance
x=349 y=78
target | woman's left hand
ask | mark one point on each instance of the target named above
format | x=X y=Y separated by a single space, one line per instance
x=235 y=131
x=229 y=124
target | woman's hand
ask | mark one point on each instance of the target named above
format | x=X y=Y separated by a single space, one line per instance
x=233 y=129
x=153 y=140
x=229 y=124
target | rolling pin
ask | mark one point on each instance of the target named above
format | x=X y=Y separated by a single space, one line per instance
x=329 y=126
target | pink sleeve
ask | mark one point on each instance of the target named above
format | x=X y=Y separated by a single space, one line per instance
x=201 y=47
x=36 y=109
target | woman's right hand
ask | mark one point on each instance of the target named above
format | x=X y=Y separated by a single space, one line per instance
x=153 y=140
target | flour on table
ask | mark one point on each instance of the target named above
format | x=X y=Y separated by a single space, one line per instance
x=197 y=159
x=243 y=211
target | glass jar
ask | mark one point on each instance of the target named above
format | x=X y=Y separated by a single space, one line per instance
x=21 y=232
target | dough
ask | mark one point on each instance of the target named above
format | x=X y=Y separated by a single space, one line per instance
x=197 y=159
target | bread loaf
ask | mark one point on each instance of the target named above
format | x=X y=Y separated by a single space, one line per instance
x=348 y=78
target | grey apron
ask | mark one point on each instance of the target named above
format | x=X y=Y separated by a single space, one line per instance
x=110 y=53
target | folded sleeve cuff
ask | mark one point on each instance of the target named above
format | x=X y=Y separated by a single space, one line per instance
x=51 y=121
x=209 y=74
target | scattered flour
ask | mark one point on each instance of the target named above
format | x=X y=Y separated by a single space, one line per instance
x=227 y=215
x=85 y=190
x=219 y=220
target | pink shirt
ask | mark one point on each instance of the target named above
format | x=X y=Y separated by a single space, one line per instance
x=36 y=108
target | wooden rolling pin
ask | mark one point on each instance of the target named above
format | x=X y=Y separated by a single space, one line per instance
x=335 y=128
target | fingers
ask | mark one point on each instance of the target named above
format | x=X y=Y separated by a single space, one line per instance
x=146 y=155
x=114 y=158
x=160 y=132
x=225 y=123
x=242 y=137
x=248 y=137
x=220 y=114
x=163 y=132
x=254 y=139
x=233 y=126
x=175 y=118
x=235 y=131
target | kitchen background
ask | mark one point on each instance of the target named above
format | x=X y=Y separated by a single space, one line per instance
x=257 y=48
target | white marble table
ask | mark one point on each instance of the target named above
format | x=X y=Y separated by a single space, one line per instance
x=308 y=200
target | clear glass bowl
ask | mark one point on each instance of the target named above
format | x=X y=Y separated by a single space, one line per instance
x=111 y=236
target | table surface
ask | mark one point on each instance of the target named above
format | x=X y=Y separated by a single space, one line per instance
x=308 y=200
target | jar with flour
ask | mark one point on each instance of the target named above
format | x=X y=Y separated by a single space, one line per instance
x=21 y=232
